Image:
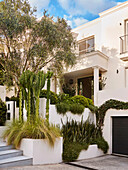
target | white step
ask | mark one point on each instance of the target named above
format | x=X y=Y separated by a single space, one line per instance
x=15 y=161
x=4 y=146
x=10 y=153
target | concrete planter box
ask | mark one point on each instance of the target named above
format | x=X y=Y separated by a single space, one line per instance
x=92 y=152
x=41 y=151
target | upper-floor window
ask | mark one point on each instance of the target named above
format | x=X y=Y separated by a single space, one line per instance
x=86 y=45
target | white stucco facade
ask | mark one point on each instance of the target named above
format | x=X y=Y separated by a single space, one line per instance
x=107 y=54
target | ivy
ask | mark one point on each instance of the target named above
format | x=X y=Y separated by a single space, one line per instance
x=110 y=104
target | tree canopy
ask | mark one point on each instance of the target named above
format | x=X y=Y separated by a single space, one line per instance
x=28 y=43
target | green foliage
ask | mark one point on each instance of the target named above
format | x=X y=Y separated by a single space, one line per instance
x=62 y=97
x=80 y=100
x=72 y=150
x=52 y=96
x=39 y=129
x=3 y=111
x=31 y=84
x=68 y=89
x=78 y=132
x=110 y=104
x=48 y=42
x=49 y=75
x=102 y=144
x=62 y=108
x=78 y=136
x=76 y=108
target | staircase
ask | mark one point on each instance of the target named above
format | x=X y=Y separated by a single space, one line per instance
x=10 y=157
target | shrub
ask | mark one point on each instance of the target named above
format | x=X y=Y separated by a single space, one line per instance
x=80 y=100
x=72 y=150
x=39 y=129
x=62 y=108
x=102 y=144
x=76 y=108
x=78 y=132
x=3 y=111
x=62 y=97
x=68 y=89
x=53 y=96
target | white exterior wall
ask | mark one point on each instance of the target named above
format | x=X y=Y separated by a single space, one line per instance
x=2 y=93
x=57 y=119
x=107 y=29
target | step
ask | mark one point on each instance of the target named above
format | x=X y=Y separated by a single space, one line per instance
x=16 y=161
x=4 y=146
x=10 y=153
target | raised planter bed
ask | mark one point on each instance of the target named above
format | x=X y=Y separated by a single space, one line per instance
x=92 y=152
x=41 y=151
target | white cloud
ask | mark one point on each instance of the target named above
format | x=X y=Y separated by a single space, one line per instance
x=80 y=21
x=81 y=7
x=75 y=21
x=39 y=4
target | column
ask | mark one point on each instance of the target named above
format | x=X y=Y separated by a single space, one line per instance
x=96 y=85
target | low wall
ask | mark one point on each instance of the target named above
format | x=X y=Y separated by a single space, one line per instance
x=92 y=152
x=56 y=118
x=41 y=151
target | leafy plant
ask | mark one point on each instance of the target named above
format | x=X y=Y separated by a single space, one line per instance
x=78 y=136
x=68 y=89
x=76 y=108
x=62 y=97
x=3 y=111
x=39 y=129
x=52 y=96
x=72 y=150
x=62 y=108
x=80 y=100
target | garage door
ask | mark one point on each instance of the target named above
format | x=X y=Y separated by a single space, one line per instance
x=120 y=135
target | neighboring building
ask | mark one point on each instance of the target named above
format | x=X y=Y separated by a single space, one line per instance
x=103 y=60
x=103 y=57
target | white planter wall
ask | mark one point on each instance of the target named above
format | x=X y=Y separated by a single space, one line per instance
x=92 y=152
x=41 y=151
x=56 y=118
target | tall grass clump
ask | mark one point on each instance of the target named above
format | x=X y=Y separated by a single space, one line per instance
x=39 y=129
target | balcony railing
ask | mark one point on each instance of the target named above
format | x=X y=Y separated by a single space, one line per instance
x=88 y=50
x=123 y=44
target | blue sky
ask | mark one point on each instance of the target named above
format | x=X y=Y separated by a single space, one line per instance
x=76 y=12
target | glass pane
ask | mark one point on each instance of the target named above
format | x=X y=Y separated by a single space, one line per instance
x=90 y=45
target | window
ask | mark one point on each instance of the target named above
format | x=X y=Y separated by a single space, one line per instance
x=8 y=106
x=86 y=45
x=8 y=116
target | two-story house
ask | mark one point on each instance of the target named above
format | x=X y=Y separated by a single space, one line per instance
x=101 y=72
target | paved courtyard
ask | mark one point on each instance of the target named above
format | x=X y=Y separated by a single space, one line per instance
x=108 y=162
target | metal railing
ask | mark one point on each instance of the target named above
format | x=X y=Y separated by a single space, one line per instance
x=123 y=44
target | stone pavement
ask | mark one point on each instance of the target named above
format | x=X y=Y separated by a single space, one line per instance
x=107 y=162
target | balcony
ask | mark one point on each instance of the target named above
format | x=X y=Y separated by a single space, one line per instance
x=124 y=47
x=89 y=60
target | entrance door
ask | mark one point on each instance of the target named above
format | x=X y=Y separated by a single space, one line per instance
x=85 y=87
x=120 y=135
